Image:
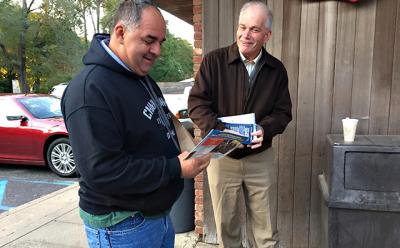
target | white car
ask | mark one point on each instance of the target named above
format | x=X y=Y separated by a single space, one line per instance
x=177 y=103
x=58 y=90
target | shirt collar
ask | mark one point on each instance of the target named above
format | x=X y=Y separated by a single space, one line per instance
x=104 y=44
x=254 y=60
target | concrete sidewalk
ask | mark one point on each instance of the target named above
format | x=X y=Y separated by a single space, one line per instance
x=53 y=221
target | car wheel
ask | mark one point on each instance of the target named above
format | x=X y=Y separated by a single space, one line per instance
x=60 y=158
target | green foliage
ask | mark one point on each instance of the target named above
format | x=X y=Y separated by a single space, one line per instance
x=55 y=54
x=110 y=7
x=175 y=62
x=9 y=16
x=5 y=81
x=53 y=51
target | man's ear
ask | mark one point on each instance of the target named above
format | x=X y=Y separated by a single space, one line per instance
x=119 y=32
x=267 y=36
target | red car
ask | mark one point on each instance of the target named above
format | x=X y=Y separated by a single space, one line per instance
x=32 y=131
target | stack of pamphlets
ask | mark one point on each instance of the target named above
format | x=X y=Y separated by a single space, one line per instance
x=243 y=124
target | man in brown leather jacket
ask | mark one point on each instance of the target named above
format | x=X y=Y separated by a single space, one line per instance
x=239 y=79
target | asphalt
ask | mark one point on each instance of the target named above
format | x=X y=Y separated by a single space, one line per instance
x=53 y=221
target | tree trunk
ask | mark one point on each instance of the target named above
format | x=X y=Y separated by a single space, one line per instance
x=85 y=27
x=8 y=87
x=22 y=50
x=36 y=86
x=98 y=6
x=23 y=84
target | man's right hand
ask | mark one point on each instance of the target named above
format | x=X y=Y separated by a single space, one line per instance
x=191 y=167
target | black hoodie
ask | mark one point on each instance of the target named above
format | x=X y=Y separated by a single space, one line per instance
x=125 y=156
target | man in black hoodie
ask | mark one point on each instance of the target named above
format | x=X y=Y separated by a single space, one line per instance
x=125 y=145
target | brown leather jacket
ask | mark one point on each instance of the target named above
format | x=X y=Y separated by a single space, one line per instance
x=222 y=88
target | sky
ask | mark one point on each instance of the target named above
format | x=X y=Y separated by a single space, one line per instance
x=179 y=28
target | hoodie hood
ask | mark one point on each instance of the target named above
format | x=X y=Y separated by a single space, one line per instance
x=97 y=55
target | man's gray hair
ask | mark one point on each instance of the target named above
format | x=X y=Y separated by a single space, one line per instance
x=129 y=12
x=264 y=7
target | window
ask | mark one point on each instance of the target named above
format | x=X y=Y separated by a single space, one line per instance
x=42 y=107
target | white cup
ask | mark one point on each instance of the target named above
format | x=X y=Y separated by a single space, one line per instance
x=349 y=129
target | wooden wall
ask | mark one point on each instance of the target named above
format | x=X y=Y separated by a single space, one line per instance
x=342 y=60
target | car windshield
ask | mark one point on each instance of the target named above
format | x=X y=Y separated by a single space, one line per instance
x=42 y=107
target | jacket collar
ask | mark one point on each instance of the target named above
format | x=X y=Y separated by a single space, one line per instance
x=97 y=55
x=234 y=55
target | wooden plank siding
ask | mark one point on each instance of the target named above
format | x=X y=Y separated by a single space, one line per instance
x=210 y=25
x=362 y=74
x=226 y=19
x=382 y=65
x=394 y=117
x=326 y=50
x=305 y=122
x=342 y=60
x=274 y=45
x=289 y=56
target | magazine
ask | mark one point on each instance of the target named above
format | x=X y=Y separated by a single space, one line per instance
x=243 y=124
x=218 y=143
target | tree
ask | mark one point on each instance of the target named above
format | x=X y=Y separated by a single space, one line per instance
x=55 y=53
x=98 y=5
x=22 y=45
x=39 y=45
x=8 y=60
x=110 y=7
x=83 y=7
x=175 y=62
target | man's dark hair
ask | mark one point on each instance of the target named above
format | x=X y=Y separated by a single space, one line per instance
x=130 y=12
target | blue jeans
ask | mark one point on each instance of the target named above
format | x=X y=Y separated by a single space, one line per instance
x=134 y=232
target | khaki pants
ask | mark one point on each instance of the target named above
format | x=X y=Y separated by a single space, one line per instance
x=256 y=175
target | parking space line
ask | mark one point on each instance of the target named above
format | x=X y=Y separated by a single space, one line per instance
x=3 y=184
x=64 y=183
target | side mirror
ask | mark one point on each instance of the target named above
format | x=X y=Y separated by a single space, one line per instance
x=14 y=117
x=24 y=119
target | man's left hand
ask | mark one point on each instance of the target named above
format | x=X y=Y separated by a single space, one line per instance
x=258 y=137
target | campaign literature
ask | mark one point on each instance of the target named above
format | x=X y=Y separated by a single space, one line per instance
x=244 y=124
x=218 y=143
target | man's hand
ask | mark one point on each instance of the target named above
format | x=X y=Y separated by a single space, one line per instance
x=191 y=167
x=258 y=138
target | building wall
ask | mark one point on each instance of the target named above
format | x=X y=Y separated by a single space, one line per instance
x=342 y=60
x=197 y=57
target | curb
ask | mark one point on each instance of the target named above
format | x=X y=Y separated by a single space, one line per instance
x=28 y=217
